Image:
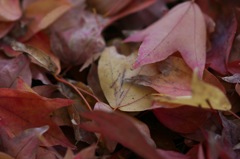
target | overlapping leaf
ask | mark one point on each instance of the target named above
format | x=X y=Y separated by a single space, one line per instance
x=182 y=29
x=42 y=13
x=113 y=69
x=22 y=110
x=21 y=145
x=203 y=95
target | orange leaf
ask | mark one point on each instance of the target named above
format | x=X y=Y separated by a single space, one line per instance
x=43 y=13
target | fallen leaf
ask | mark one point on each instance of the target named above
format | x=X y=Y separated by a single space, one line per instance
x=108 y=7
x=10 y=10
x=33 y=111
x=43 y=13
x=182 y=119
x=237 y=88
x=172 y=154
x=5 y=156
x=22 y=86
x=173 y=78
x=42 y=42
x=182 y=29
x=221 y=41
x=235 y=78
x=43 y=59
x=11 y=69
x=111 y=145
x=22 y=144
x=76 y=36
x=144 y=17
x=113 y=68
x=86 y=153
x=131 y=7
x=5 y=27
x=125 y=132
x=196 y=151
x=203 y=95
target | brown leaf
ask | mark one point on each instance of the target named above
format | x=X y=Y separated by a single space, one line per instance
x=43 y=59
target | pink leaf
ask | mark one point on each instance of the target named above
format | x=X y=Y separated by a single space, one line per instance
x=10 y=10
x=182 y=29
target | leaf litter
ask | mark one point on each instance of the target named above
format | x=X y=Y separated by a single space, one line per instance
x=155 y=79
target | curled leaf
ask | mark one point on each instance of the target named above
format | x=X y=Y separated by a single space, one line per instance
x=41 y=57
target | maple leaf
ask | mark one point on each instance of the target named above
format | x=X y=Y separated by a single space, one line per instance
x=182 y=29
x=113 y=68
x=22 y=110
x=22 y=144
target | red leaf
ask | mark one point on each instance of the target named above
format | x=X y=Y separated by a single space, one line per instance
x=22 y=110
x=182 y=119
x=5 y=27
x=10 y=69
x=121 y=128
x=222 y=39
x=132 y=7
x=22 y=144
x=182 y=29
x=196 y=152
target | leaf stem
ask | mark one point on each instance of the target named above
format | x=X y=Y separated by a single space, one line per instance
x=90 y=94
x=76 y=89
x=235 y=115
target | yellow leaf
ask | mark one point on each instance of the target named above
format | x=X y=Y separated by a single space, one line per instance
x=203 y=95
x=113 y=69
